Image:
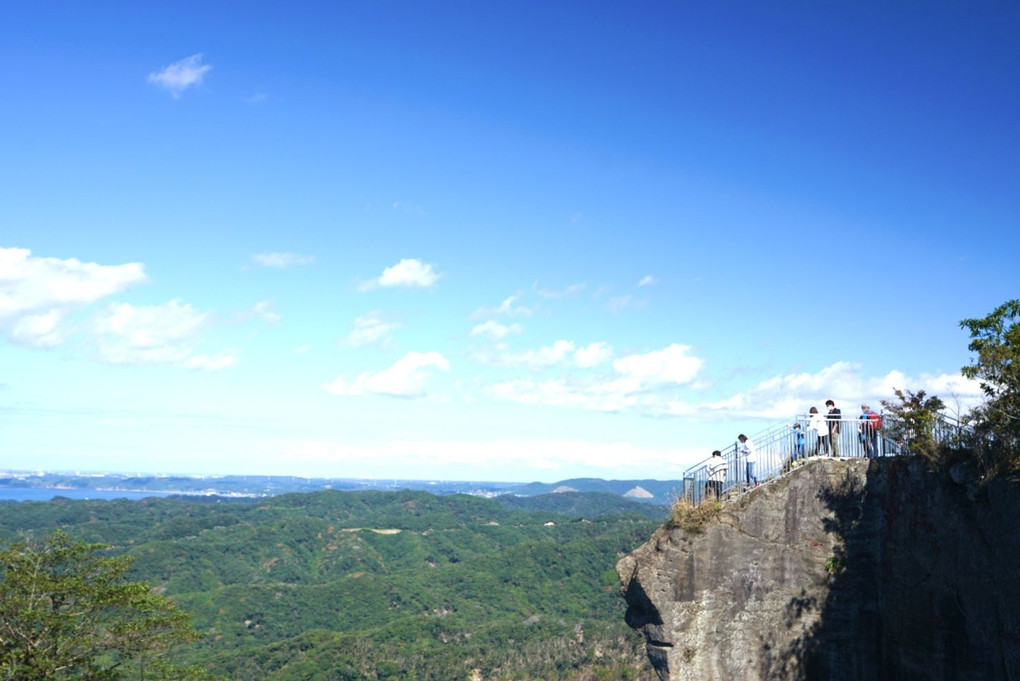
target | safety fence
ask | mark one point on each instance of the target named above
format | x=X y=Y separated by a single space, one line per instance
x=782 y=447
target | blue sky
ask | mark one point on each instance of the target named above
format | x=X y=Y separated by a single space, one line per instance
x=488 y=241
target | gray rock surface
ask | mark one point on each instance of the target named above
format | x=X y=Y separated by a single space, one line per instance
x=838 y=570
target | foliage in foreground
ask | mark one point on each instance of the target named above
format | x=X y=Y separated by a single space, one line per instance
x=67 y=612
x=370 y=585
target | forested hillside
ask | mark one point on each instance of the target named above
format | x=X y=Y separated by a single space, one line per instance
x=374 y=585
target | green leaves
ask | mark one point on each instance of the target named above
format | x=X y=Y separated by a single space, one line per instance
x=68 y=612
x=995 y=340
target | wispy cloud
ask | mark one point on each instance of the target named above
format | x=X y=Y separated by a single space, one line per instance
x=562 y=352
x=155 y=334
x=409 y=272
x=618 y=304
x=405 y=207
x=264 y=311
x=37 y=294
x=510 y=307
x=181 y=75
x=571 y=290
x=496 y=331
x=647 y=280
x=405 y=378
x=281 y=260
x=371 y=328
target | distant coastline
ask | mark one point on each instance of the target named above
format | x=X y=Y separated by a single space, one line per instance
x=20 y=494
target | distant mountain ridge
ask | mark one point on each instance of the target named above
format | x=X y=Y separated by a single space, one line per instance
x=659 y=492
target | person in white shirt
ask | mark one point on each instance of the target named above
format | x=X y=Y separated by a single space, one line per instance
x=747 y=451
x=816 y=422
x=716 y=468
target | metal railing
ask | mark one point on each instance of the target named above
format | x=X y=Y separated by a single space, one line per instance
x=779 y=449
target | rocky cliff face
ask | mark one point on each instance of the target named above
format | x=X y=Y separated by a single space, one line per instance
x=839 y=570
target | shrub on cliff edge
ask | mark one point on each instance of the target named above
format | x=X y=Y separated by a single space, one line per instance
x=693 y=517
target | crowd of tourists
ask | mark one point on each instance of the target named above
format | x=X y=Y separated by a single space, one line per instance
x=825 y=430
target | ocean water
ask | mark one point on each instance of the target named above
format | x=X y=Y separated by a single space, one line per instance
x=47 y=494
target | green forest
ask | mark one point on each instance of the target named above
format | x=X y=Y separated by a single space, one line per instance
x=377 y=585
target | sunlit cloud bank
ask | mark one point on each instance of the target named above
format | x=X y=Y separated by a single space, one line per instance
x=405 y=378
x=788 y=395
x=666 y=383
x=634 y=383
x=179 y=76
x=37 y=294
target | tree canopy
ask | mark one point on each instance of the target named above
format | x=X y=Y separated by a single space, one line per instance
x=995 y=340
x=69 y=612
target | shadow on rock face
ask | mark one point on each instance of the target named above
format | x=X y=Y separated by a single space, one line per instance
x=842 y=570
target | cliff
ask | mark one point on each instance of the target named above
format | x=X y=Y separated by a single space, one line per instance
x=839 y=570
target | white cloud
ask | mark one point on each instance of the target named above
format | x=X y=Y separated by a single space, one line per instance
x=542 y=358
x=508 y=307
x=788 y=395
x=672 y=364
x=155 y=334
x=264 y=310
x=496 y=331
x=370 y=328
x=36 y=294
x=647 y=280
x=281 y=260
x=408 y=272
x=611 y=396
x=221 y=360
x=181 y=75
x=405 y=378
x=39 y=330
x=638 y=384
x=572 y=289
x=592 y=355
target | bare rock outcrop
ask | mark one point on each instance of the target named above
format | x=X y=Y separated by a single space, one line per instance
x=839 y=570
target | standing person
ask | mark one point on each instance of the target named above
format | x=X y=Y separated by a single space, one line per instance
x=868 y=431
x=747 y=451
x=716 y=468
x=817 y=423
x=833 y=417
x=798 y=442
